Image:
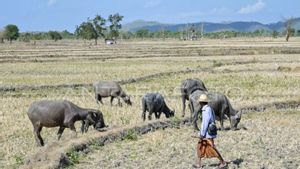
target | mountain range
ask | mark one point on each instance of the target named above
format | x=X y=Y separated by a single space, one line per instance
x=239 y=26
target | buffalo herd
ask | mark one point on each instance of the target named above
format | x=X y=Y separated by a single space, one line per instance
x=63 y=113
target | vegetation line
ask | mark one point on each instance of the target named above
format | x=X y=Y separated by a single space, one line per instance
x=60 y=156
x=167 y=53
x=76 y=85
x=129 y=80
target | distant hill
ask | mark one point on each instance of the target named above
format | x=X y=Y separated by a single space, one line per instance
x=138 y=24
x=208 y=26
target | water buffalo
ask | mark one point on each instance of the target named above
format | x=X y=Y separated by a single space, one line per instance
x=221 y=106
x=187 y=87
x=155 y=103
x=62 y=114
x=110 y=89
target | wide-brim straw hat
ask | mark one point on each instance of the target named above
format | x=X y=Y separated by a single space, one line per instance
x=203 y=98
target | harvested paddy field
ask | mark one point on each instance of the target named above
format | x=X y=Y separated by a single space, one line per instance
x=262 y=144
x=249 y=71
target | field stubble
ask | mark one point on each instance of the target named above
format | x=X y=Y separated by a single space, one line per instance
x=247 y=80
x=269 y=141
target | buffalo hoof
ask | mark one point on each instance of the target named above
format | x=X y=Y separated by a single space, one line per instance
x=197 y=166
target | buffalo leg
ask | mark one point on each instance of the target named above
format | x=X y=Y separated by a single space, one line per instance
x=37 y=134
x=191 y=111
x=144 y=116
x=150 y=113
x=119 y=102
x=82 y=126
x=86 y=126
x=183 y=105
x=60 y=131
x=98 y=99
x=150 y=116
x=144 y=108
x=222 y=123
x=72 y=127
x=194 y=115
x=157 y=115
x=111 y=100
x=222 y=119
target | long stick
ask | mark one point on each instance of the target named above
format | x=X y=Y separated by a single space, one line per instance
x=195 y=137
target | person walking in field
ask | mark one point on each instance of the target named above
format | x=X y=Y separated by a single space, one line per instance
x=207 y=133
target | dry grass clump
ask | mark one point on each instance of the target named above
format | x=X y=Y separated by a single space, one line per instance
x=284 y=69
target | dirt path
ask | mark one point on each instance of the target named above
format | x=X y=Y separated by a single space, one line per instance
x=269 y=141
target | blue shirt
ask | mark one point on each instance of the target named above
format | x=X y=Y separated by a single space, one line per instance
x=208 y=116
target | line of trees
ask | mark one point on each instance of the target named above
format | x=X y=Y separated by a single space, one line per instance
x=110 y=28
x=146 y=34
x=96 y=28
x=91 y=29
x=51 y=35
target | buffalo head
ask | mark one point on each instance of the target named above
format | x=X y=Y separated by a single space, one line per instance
x=170 y=114
x=96 y=119
x=235 y=120
x=127 y=100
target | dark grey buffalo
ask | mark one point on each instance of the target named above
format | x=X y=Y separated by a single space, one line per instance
x=110 y=89
x=155 y=103
x=62 y=114
x=187 y=87
x=221 y=106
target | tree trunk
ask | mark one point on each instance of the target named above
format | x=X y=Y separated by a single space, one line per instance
x=10 y=41
x=1 y=40
x=96 y=41
x=287 y=36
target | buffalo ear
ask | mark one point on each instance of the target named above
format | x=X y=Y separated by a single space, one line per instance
x=95 y=114
x=89 y=117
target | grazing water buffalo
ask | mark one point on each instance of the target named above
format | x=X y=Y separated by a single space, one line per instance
x=62 y=114
x=155 y=103
x=188 y=86
x=221 y=106
x=110 y=89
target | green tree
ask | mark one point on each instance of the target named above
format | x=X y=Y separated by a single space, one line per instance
x=37 y=36
x=99 y=26
x=275 y=34
x=115 y=25
x=86 y=31
x=25 y=37
x=288 y=24
x=91 y=29
x=66 y=34
x=142 y=33
x=1 y=36
x=54 y=35
x=126 y=35
x=11 y=32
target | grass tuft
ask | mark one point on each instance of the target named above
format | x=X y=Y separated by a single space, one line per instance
x=131 y=135
x=73 y=157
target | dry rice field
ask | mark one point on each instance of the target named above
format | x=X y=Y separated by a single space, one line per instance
x=250 y=71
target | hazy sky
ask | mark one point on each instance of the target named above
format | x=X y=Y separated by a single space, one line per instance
x=44 y=15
